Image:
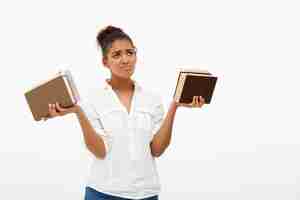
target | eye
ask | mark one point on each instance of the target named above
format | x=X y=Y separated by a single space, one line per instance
x=116 y=55
x=131 y=52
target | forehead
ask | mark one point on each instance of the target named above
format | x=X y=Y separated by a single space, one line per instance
x=118 y=45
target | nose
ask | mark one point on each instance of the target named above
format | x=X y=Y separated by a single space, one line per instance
x=124 y=59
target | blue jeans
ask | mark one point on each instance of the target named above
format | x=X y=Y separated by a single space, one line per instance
x=92 y=194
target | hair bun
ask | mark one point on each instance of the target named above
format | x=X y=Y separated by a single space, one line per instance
x=111 y=29
x=107 y=31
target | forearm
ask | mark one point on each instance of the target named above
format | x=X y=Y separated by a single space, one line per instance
x=162 y=138
x=93 y=141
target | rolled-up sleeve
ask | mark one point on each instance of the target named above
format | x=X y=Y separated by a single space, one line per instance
x=95 y=120
x=157 y=115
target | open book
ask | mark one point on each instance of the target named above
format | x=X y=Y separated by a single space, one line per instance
x=194 y=82
x=60 y=88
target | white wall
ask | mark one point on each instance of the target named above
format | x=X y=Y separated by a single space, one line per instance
x=245 y=145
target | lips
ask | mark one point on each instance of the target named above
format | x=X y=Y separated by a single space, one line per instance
x=128 y=69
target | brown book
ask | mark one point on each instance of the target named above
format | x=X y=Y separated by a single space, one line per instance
x=194 y=82
x=60 y=88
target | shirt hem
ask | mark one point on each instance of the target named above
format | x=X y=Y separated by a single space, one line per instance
x=119 y=195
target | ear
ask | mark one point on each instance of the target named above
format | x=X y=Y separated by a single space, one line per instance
x=104 y=61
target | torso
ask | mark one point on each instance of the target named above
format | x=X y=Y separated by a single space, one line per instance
x=129 y=163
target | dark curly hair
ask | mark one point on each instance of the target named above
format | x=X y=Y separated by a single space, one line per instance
x=108 y=35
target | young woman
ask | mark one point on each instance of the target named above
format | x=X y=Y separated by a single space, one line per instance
x=123 y=126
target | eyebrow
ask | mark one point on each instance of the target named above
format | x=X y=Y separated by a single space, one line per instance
x=118 y=51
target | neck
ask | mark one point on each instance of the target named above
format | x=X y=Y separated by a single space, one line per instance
x=121 y=84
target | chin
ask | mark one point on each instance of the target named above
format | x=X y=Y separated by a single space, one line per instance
x=127 y=76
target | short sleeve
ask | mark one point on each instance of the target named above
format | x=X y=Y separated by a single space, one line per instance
x=95 y=120
x=157 y=115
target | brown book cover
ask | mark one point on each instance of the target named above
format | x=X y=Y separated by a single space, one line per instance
x=194 y=83
x=60 y=88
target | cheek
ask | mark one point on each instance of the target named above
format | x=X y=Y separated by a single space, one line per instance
x=114 y=66
x=115 y=69
x=133 y=61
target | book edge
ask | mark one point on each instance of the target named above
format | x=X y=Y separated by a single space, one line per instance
x=40 y=83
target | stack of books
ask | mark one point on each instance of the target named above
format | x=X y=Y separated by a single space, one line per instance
x=59 y=88
x=194 y=82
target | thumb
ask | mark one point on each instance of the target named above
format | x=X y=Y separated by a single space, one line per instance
x=60 y=109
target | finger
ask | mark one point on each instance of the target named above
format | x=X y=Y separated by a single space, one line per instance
x=197 y=101
x=60 y=109
x=55 y=110
x=193 y=102
x=52 y=110
x=202 y=99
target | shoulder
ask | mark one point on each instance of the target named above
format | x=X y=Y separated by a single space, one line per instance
x=150 y=97
x=152 y=103
x=95 y=96
x=96 y=93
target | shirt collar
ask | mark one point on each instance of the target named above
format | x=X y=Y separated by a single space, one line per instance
x=108 y=86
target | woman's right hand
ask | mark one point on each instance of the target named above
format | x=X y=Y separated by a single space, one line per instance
x=197 y=102
x=56 y=110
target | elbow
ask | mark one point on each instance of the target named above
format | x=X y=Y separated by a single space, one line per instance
x=157 y=151
x=97 y=148
x=99 y=154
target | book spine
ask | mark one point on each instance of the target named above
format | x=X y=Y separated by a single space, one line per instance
x=72 y=84
x=176 y=88
x=69 y=89
x=179 y=88
x=182 y=82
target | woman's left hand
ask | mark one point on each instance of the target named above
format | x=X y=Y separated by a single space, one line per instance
x=197 y=102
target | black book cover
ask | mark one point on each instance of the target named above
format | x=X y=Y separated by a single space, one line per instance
x=198 y=86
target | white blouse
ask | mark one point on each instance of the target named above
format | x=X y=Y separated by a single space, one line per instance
x=128 y=170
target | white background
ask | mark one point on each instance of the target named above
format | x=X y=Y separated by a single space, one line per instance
x=244 y=145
